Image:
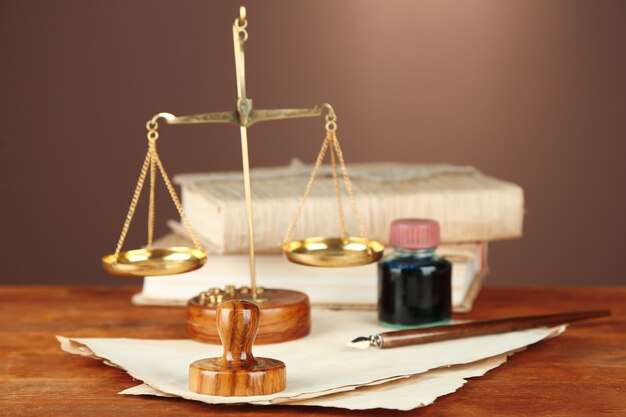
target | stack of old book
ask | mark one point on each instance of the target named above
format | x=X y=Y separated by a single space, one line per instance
x=472 y=208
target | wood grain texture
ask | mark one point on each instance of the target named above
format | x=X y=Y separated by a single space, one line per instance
x=580 y=373
x=285 y=316
x=482 y=327
x=237 y=372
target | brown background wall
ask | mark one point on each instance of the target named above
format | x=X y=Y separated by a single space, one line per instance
x=528 y=91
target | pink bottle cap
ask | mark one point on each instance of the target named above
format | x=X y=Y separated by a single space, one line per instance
x=414 y=234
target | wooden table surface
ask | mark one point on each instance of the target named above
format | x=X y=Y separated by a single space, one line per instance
x=580 y=373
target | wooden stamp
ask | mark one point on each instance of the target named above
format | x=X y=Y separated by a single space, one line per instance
x=237 y=372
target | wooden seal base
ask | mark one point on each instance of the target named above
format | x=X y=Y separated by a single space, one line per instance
x=284 y=315
x=266 y=376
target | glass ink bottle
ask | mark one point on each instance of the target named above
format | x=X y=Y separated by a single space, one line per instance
x=414 y=284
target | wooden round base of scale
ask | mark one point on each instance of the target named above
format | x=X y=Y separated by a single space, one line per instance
x=284 y=315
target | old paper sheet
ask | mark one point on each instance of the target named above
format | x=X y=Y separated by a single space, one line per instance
x=395 y=394
x=317 y=365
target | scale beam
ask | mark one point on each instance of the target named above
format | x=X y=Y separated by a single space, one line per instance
x=219 y=117
x=254 y=116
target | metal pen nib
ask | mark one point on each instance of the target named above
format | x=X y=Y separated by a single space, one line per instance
x=363 y=342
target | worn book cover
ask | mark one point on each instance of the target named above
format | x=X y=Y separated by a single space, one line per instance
x=469 y=205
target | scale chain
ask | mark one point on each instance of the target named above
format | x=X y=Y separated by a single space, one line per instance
x=133 y=203
x=342 y=220
x=348 y=184
x=307 y=190
x=336 y=154
x=152 y=151
x=177 y=203
x=152 y=162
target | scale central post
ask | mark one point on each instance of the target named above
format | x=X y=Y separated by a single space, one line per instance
x=244 y=107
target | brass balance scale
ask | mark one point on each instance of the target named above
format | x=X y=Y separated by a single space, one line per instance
x=285 y=315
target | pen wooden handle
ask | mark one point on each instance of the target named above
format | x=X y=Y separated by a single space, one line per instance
x=479 y=328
